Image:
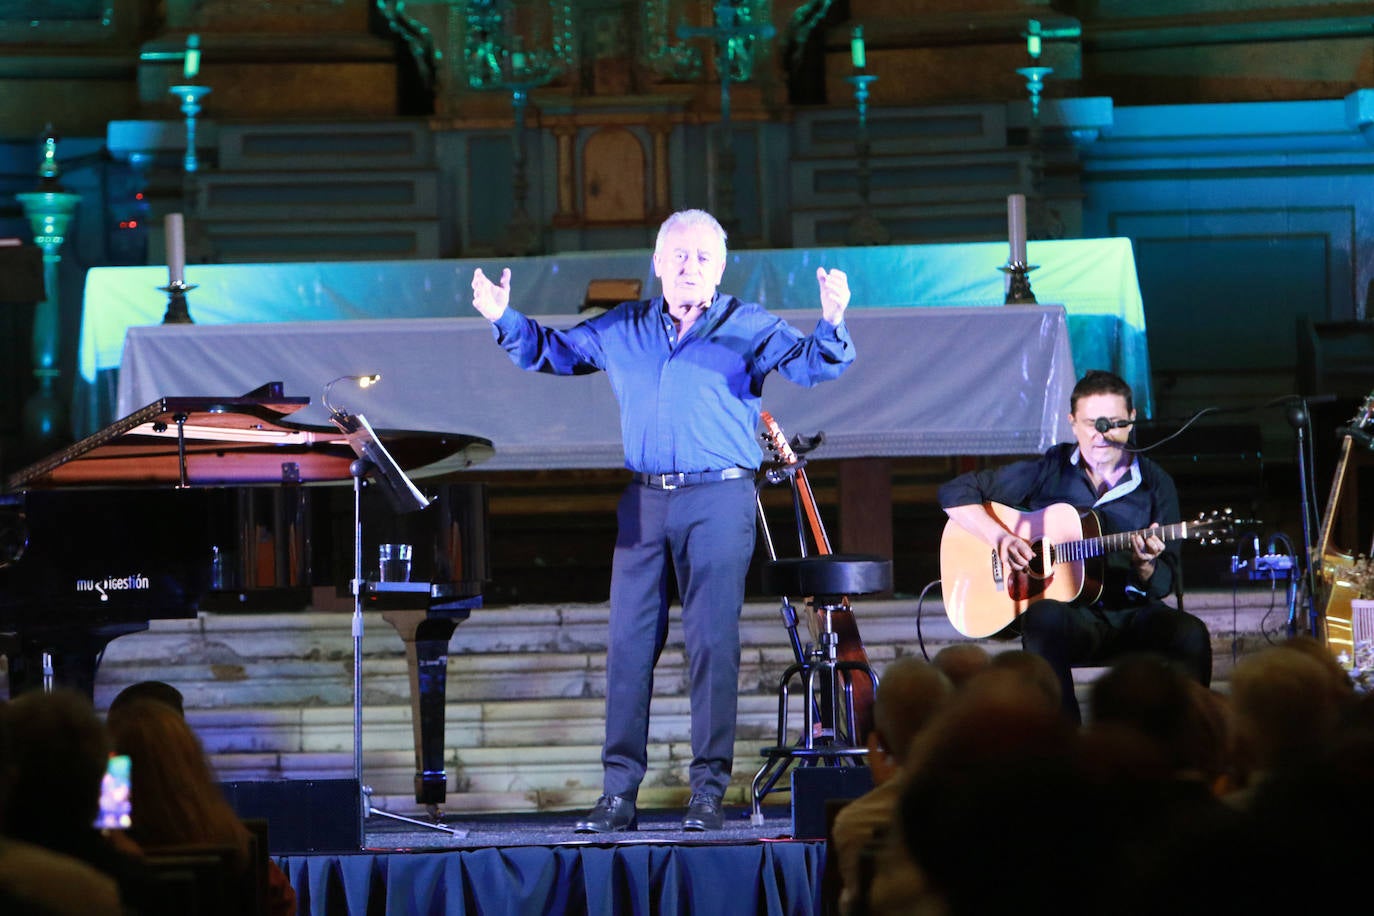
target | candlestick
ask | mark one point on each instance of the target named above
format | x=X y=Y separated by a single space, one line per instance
x=733 y=36
x=50 y=211
x=190 y=96
x=175 y=229
x=1033 y=38
x=864 y=228
x=1016 y=227
x=856 y=48
x=1018 y=284
x=177 y=312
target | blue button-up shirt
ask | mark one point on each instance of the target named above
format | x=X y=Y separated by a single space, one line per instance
x=685 y=405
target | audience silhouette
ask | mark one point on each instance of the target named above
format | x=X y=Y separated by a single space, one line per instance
x=60 y=749
x=910 y=692
x=54 y=860
x=1171 y=797
x=35 y=880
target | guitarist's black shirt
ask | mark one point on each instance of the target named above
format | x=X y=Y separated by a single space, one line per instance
x=1145 y=496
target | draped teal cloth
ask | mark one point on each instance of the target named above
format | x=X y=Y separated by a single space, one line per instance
x=1094 y=279
x=928 y=381
x=770 y=878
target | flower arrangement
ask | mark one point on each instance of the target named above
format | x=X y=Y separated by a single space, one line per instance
x=1362 y=672
x=1361 y=577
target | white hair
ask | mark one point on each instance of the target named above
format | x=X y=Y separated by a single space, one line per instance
x=684 y=218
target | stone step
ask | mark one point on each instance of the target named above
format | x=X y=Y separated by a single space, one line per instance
x=375 y=145
x=271 y=694
x=928 y=180
x=904 y=131
x=825 y=218
x=320 y=195
x=263 y=239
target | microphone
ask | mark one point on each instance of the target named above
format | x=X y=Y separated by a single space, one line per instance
x=1102 y=424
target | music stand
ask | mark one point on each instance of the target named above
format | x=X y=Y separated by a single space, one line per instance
x=404 y=496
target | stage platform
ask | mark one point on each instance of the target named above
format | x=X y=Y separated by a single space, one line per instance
x=536 y=864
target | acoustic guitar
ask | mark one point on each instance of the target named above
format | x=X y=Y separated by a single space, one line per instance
x=982 y=598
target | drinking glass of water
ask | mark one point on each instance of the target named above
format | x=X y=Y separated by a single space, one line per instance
x=393 y=562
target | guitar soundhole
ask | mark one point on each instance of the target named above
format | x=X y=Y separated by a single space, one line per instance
x=1030 y=583
x=1036 y=570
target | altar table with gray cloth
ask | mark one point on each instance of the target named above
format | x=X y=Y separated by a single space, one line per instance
x=1094 y=279
x=946 y=381
x=771 y=879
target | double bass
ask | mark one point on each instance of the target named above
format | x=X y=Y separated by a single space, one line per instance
x=849 y=644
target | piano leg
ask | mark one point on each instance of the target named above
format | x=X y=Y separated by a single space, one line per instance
x=426 y=640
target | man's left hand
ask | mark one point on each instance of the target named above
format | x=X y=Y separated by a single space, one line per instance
x=834 y=294
x=1145 y=548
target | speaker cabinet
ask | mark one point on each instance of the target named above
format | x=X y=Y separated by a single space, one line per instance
x=812 y=787
x=303 y=815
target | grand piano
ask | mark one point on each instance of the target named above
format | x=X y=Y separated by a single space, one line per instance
x=222 y=504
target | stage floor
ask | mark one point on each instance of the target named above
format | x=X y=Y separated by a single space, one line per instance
x=384 y=834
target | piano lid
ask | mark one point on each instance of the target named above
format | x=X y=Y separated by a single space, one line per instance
x=233 y=441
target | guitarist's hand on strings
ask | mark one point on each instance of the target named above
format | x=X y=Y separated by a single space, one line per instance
x=1016 y=552
x=1013 y=552
x=1146 y=546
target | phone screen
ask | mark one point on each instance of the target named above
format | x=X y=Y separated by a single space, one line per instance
x=116 y=808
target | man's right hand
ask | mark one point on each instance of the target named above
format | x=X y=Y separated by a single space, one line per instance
x=1017 y=553
x=489 y=299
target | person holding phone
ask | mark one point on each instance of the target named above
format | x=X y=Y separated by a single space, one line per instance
x=60 y=752
x=178 y=800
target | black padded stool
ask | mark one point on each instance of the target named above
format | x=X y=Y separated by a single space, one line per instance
x=826 y=738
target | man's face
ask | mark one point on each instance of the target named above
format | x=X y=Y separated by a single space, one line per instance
x=1100 y=448
x=689 y=263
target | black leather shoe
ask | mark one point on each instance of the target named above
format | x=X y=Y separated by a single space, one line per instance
x=611 y=813
x=704 y=812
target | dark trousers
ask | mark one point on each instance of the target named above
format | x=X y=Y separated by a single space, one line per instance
x=707 y=532
x=1068 y=635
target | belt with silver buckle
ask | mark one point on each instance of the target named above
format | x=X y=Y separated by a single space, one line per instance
x=675 y=479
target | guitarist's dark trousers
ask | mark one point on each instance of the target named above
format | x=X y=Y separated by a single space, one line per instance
x=707 y=532
x=1069 y=636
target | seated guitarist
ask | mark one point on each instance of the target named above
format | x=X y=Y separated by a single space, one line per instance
x=1128 y=493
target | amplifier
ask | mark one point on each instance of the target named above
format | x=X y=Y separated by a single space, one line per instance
x=303 y=815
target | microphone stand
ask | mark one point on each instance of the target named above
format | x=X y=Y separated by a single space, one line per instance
x=1300 y=419
x=374 y=459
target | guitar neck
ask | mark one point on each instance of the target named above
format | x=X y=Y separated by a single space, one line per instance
x=1109 y=543
x=813 y=515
